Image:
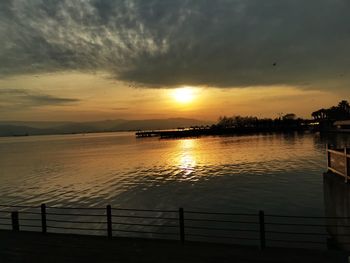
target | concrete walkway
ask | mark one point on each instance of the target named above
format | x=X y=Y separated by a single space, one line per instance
x=51 y=248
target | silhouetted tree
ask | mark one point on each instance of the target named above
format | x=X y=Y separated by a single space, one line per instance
x=340 y=112
x=344 y=105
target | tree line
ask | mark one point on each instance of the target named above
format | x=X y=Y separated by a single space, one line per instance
x=335 y=113
x=287 y=121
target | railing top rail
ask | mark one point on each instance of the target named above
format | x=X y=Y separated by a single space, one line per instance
x=4 y=209
x=92 y=208
x=307 y=217
x=144 y=210
x=75 y=214
x=29 y=213
x=219 y=213
x=75 y=208
x=220 y=221
x=145 y=217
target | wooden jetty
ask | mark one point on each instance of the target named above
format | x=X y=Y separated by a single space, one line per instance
x=215 y=131
x=180 y=133
x=338 y=161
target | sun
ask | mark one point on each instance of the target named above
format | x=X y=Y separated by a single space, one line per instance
x=183 y=95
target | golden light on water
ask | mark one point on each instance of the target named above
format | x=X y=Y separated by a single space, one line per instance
x=184 y=95
x=187 y=161
x=187 y=164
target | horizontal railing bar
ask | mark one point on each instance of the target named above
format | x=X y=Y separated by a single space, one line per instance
x=220 y=221
x=75 y=228
x=29 y=219
x=118 y=209
x=5 y=224
x=30 y=226
x=296 y=233
x=295 y=241
x=145 y=217
x=89 y=208
x=223 y=229
x=29 y=213
x=4 y=218
x=75 y=208
x=215 y=236
x=6 y=211
x=62 y=214
x=144 y=232
x=217 y=213
x=145 y=210
x=307 y=217
x=313 y=225
x=74 y=222
x=336 y=171
x=149 y=225
x=337 y=152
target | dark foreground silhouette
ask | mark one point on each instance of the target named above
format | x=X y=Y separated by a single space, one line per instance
x=37 y=247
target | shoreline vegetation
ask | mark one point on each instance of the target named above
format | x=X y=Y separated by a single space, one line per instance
x=323 y=121
x=237 y=125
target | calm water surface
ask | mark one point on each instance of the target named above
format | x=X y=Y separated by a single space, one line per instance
x=277 y=173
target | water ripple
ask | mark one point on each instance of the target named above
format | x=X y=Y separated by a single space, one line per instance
x=276 y=172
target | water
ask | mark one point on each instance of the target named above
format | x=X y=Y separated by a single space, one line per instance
x=277 y=173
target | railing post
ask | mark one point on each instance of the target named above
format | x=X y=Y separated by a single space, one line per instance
x=43 y=219
x=346 y=164
x=182 y=225
x=109 y=221
x=262 y=229
x=15 y=221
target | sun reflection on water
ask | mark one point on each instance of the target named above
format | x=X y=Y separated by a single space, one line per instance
x=186 y=161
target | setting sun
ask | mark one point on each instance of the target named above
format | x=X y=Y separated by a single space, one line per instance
x=184 y=95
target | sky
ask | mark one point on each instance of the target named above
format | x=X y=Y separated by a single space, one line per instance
x=110 y=59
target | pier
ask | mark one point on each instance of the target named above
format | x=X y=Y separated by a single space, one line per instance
x=338 y=161
x=181 y=133
x=217 y=131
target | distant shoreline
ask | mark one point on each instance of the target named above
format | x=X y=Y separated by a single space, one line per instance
x=62 y=134
x=212 y=132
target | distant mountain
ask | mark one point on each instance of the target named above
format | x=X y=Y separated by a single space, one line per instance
x=36 y=124
x=106 y=124
x=22 y=128
x=13 y=130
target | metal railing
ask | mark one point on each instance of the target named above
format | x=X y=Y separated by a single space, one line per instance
x=338 y=161
x=258 y=229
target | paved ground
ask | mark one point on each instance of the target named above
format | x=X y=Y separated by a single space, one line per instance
x=51 y=248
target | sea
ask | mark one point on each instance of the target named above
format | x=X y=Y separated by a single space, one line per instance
x=273 y=172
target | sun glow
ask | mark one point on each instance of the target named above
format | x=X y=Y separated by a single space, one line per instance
x=184 y=95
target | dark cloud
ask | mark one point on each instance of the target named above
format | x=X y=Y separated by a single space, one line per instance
x=224 y=43
x=20 y=98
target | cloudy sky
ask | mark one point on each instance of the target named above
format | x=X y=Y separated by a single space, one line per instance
x=109 y=59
